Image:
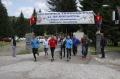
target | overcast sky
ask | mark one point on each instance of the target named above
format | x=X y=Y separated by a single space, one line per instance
x=14 y=7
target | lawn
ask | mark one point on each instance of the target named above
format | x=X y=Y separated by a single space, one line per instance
x=113 y=49
x=2 y=44
x=107 y=49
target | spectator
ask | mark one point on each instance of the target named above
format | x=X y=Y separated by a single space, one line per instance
x=103 y=43
x=84 y=42
x=13 y=42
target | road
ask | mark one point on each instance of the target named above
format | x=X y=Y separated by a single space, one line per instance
x=23 y=67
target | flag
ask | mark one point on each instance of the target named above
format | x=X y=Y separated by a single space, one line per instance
x=98 y=19
x=32 y=20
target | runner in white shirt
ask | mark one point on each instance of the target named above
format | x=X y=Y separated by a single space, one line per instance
x=46 y=46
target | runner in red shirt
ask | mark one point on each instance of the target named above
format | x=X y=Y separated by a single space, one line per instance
x=53 y=44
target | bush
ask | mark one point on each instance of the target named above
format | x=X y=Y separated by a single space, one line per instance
x=5 y=39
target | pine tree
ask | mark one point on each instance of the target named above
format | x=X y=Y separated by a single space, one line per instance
x=5 y=29
x=37 y=29
x=21 y=26
x=64 y=6
x=111 y=30
x=34 y=13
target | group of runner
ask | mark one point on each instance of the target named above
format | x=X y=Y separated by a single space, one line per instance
x=67 y=45
x=71 y=43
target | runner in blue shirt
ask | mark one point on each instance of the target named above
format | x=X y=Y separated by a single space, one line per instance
x=69 y=45
x=35 y=45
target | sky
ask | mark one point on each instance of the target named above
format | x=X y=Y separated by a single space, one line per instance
x=14 y=7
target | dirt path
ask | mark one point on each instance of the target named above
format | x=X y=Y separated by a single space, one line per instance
x=23 y=67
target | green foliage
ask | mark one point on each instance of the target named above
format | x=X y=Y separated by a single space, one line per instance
x=63 y=6
x=107 y=49
x=5 y=29
x=37 y=29
x=110 y=30
x=21 y=26
x=113 y=49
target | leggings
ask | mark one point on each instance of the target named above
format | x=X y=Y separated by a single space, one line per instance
x=52 y=52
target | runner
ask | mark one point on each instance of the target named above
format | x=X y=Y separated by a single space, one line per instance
x=76 y=42
x=69 y=44
x=45 y=43
x=35 y=45
x=53 y=44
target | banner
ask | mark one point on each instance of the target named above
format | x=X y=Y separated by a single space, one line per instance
x=83 y=17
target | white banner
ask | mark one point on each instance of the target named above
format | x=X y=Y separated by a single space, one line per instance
x=83 y=17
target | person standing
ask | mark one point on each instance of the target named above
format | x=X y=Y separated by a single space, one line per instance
x=45 y=43
x=53 y=44
x=103 y=43
x=84 y=42
x=76 y=42
x=13 y=42
x=35 y=43
x=69 y=45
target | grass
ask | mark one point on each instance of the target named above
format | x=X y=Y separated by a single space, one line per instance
x=41 y=49
x=23 y=52
x=2 y=44
x=108 y=49
x=92 y=50
x=113 y=49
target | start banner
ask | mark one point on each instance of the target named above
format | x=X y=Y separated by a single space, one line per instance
x=83 y=17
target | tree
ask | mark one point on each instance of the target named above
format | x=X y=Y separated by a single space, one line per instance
x=106 y=11
x=37 y=29
x=114 y=31
x=64 y=6
x=21 y=26
x=5 y=29
x=12 y=21
x=34 y=13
